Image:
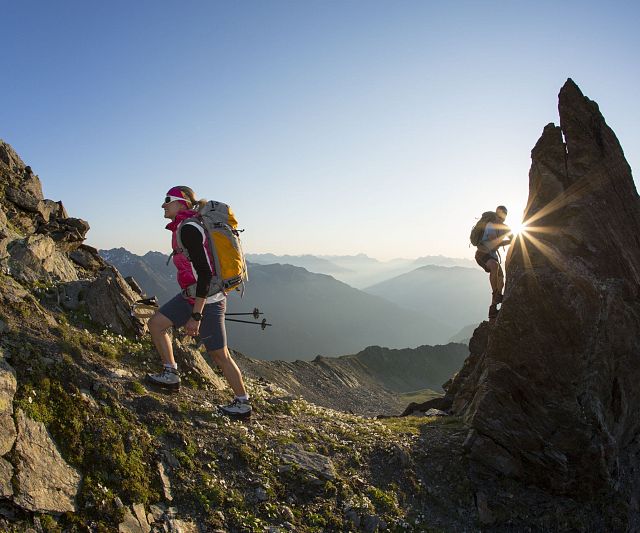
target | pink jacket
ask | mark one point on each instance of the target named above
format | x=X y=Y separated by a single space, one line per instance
x=186 y=272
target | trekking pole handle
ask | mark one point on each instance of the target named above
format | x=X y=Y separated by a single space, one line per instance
x=254 y=314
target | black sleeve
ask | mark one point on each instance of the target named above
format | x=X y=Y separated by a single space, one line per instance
x=192 y=241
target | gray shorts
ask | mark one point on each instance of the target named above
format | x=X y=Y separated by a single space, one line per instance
x=212 y=332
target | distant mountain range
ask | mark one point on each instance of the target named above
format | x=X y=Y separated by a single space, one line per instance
x=311 y=262
x=457 y=296
x=464 y=335
x=312 y=314
x=359 y=270
x=371 y=382
x=441 y=260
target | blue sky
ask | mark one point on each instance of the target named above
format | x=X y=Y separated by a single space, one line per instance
x=330 y=127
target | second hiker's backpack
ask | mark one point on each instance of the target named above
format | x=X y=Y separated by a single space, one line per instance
x=223 y=239
x=478 y=230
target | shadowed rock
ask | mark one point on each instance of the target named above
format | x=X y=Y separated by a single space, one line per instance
x=88 y=258
x=68 y=233
x=6 y=474
x=108 y=301
x=553 y=397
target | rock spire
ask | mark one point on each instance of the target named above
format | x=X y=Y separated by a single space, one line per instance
x=551 y=393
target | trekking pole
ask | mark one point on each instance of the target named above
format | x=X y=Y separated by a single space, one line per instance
x=263 y=324
x=255 y=313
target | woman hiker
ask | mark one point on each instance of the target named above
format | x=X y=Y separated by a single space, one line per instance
x=202 y=315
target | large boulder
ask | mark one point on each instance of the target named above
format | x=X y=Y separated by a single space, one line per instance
x=68 y=233
x=24 y=200
x=45 y=483
x=88 y=258
x=108 y=301
x=44 y=209
x=196 y=363
x=37 y=258
x=552 y=397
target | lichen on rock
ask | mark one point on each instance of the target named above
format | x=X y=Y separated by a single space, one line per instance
x=45 y=482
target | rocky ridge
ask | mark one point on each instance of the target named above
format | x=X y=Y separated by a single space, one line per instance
x=550 y=391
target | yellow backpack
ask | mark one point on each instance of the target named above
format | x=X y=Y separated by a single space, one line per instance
x=223 y=238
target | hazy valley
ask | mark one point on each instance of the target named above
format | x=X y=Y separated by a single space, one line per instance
x=315 y=314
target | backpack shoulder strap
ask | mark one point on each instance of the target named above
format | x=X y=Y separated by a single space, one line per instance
x=192 y=222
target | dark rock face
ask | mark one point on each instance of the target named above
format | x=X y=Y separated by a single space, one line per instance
x=552 y=398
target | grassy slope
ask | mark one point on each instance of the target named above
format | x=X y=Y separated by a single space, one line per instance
x=85 y=385
x=115 y=431
x=420 y=396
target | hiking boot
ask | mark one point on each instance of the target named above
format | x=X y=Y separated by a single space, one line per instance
x=236 y=409
x=167 y=379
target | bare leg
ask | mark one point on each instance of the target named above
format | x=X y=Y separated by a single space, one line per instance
x=158 y=326
x=230 y=370
x=494 y=268
x=500 y=281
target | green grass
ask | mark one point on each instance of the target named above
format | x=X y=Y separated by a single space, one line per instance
x=420 y=396
x=105 y=444
x=138 y=387
x=408 y=424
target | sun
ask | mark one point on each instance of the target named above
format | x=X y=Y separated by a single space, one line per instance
x=518 y=228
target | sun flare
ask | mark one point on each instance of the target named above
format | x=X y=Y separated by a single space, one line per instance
x=518 y=228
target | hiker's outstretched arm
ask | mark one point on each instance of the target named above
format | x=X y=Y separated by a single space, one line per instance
x=507 y=234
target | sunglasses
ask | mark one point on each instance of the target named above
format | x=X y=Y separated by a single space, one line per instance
x=168 y=199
